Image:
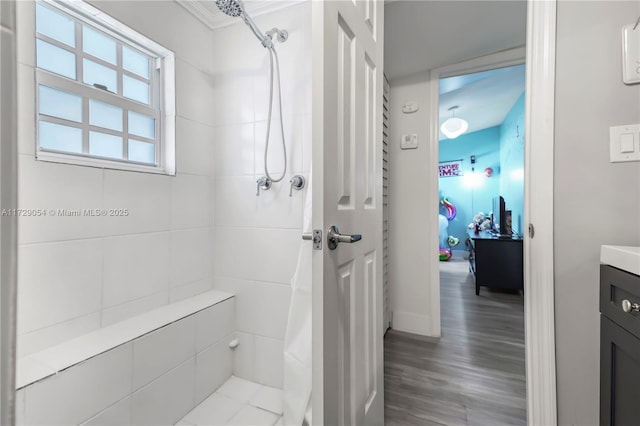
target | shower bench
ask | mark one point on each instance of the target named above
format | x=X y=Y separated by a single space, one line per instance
x=150 y=369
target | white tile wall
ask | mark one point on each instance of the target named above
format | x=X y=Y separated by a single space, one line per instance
x=135 y=266
x=163 y=350
x=256 y=253
x=26 y=107
x=54 y=186
x=234 y=149
x=269 y=361
x=190 y=256
x=257 y=238
x=190 y=202
x=72 y=396
x=58 y=282
x=119 y=414
x=46 y=337
x=191 y=83
x=261 y=308
x=188 y=290
x=244 y=356
x=214 y=366
x=167 y=399
x=133 y=308
x=140 y=270
x=196 y=147
x=147 y=196
x=211 y=325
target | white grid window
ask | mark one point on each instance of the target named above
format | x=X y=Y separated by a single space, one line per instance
x=105 y=93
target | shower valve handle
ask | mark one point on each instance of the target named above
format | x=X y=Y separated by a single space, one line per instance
x=263 y=183
x=297 y=183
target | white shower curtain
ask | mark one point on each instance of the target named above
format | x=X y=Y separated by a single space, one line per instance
x=297 y=340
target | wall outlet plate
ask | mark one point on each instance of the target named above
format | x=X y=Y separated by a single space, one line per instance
x=409 y=141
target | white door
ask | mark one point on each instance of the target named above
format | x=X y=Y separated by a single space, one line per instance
x=347 y=193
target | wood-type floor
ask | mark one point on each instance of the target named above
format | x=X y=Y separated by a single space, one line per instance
x=474 y=374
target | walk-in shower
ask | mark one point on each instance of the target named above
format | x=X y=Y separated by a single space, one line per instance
x=235 y=8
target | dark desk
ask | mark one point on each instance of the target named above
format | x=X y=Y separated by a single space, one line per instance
x=496 y=262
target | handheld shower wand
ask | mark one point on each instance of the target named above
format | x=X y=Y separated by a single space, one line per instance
x=235 y=8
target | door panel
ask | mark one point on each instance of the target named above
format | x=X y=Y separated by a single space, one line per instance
x=347 y=192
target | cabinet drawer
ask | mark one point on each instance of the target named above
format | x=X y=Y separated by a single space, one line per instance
x=615 y=286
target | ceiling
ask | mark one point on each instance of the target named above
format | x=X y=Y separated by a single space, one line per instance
x=484 y=99
x=422 y=35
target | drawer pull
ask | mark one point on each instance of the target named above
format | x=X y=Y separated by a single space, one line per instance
x=628 y=307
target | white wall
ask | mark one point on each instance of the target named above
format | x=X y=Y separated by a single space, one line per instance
x=409 y=231
x=77 y=274
x=595 y=202
x=257 y=238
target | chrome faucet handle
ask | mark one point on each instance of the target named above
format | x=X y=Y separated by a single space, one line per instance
x=263 y=183
x=297 y=182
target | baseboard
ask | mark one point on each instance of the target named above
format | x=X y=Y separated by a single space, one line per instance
x=413 y=323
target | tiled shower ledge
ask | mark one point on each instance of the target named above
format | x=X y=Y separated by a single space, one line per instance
x=45 y=363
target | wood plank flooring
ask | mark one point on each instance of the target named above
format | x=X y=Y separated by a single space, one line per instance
x=474 y=374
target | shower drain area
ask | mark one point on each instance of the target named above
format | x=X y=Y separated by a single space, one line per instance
x=238 y=402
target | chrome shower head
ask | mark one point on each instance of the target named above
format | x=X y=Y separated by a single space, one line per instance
x=230 y=7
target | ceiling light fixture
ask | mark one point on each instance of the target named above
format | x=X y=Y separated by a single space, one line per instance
x=454 y=126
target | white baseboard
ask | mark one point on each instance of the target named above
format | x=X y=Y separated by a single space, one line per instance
x=413 y=323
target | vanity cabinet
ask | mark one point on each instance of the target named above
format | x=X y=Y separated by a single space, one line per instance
x=620 y=347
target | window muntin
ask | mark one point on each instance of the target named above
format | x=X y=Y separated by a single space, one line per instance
x=100 y=94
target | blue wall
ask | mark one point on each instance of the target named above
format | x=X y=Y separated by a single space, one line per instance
x=512 y=163
x=471 y=194
x=502 y=149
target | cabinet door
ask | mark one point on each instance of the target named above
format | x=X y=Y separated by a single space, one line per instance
x=619 y=375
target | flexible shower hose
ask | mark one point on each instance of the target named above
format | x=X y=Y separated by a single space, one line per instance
x=272 y=55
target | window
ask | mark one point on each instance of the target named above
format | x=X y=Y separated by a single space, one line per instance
x=105 y=93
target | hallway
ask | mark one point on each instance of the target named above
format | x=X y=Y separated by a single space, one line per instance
x=474 y=374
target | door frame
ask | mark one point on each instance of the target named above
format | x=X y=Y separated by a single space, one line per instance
x=538 y=201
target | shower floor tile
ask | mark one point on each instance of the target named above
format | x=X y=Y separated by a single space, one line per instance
x=238 y=402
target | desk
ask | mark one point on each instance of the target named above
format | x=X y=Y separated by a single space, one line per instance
x=496 y=262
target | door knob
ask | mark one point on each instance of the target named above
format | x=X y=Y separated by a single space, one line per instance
x=628 y=306
x=334 y=237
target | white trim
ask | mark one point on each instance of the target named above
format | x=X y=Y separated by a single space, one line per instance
x=161 y=91
x=538 y=201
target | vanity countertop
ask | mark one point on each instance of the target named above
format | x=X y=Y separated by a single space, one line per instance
x=622 y=257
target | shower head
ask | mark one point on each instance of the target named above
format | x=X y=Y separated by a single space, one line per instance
x=230 y=7
x=235 y=8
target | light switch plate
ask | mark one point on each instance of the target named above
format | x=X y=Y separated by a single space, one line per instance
x=631 y=54
x=409 y=141
x=624 y=143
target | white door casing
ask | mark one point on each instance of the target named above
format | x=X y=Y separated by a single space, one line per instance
x=347 y=192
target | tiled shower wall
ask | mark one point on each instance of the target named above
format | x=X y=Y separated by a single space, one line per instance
x=257 y=238
x=77 y=274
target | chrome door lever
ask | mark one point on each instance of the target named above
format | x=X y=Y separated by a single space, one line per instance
x=334 y=237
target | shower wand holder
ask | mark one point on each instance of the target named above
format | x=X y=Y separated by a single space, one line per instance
x=264 y=183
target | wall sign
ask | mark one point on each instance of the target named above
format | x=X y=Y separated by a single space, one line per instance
x=450 y=168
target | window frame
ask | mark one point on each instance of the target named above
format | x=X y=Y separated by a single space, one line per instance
x=161 y=91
